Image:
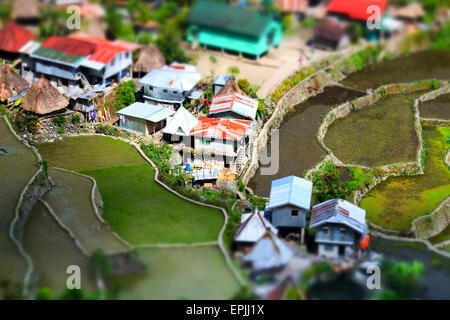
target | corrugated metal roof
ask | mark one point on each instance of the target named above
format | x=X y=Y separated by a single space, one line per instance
x=290 y=190
x=268 y=253
x=30 y=46
x=13 y=37
x=176 y=79
x=230 y=129
x=254 y=228
x=50 y=54
x=150 y=112
x=217 y=15
x=181 y=123
x=235 y=102
x=355 y=9
x=339 y=211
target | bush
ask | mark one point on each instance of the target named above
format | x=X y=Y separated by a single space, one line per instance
x=111 y=131
x=125 y=94
x=59 y=120
x=75 y=119
x=309 y=23
x=233 y=70
x=23 y=122
x=61 y=130
x=435 y=84
x=44 y=294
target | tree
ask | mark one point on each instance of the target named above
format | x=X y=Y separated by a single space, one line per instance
x=53 y=23
x=5 y=12
x=125 y=94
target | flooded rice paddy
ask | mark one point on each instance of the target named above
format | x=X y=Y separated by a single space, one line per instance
x=380 y=134
x=413 y=67
x=438 y=108
x=299 y=149
x=18 y=164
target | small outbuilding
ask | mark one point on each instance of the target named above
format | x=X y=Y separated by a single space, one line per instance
x=339 y=225
x=289 y=201
x=253 y=227
x=269 y=254
x=179 y=126
x=43 y=98
x=144 y=118
x=149 y=58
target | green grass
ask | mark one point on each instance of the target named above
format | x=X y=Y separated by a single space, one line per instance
x=143 y=212
x=17 y=167
x=180 y=273
x=394 y=203
x=377 y=135
x=89 y=152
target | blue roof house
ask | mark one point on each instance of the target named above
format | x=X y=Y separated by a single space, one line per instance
x=289 y=201
x=339 y=225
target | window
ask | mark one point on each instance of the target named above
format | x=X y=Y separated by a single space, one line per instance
x=175 y=92
x=325 y=230
x=150 y=88
x=343 y=231
x=127 y=55
x=165 y=91
x=294 y=213
x=205 y=142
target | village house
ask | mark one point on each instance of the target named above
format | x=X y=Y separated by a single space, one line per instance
x=43 y=99
x=330 y=34
x=221 y=143
x=144 y=118
x=289 y=201
x=171 y=85
x=269 y=254
x=253 y=227
x=178 y=128
x=12 y=86
x=233 y=106
x=12 y=38
x=223 y=26
x=77 y=62
x=356 y=11
x=339 y=225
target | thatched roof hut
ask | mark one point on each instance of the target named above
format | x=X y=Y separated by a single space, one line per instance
x=149 y=58
x=25 y=9
x=43 y=98
x=231 y=87
x=11 y=84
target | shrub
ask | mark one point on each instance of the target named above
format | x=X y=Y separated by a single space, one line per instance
x=435 y=84
x=125 y=94
x=309 y=23
x=75 y=119
x=59 y=120
x=61 y=130
x=233 y=70
x=213 y=59
x=44 y=294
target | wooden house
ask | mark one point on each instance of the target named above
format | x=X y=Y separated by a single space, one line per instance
x=144 y=118
x=253 y=227
x=269 y=254
x=221 y=143
x=223 y=26
x=339 y=225
x=289 y=201
x=76 y=62
x=331 y=35
x=172 y=85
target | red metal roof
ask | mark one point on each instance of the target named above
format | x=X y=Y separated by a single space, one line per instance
x=231 y=129
x=98 y=49
x=13 y=37
x=236 y=102
x=355 y=9
x=293 y=5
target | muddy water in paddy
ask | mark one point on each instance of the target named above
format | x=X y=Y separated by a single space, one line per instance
x=299 y=150
x=417 y=66
x=438 y=108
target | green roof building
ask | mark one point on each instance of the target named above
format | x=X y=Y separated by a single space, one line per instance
x=220 y=25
